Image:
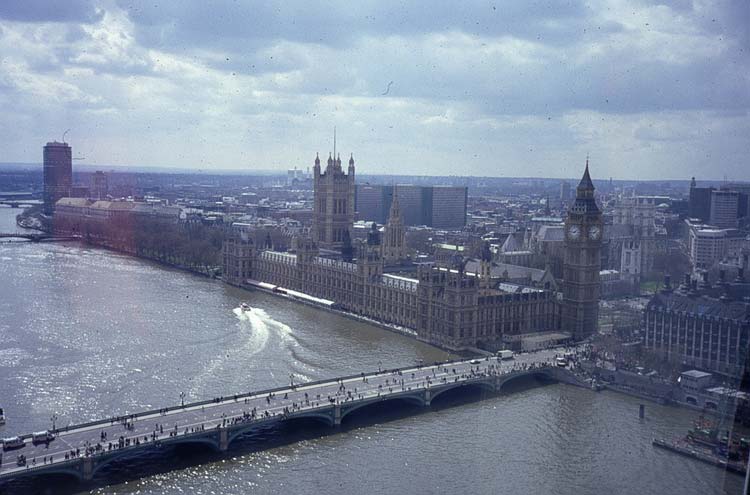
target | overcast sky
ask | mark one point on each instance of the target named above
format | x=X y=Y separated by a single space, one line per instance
x=504 y=88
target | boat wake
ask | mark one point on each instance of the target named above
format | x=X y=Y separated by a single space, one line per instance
x=287 y=340
x=254 y=323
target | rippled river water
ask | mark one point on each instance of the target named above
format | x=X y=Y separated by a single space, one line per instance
x=86 y=333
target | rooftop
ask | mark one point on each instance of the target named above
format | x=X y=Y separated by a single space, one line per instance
x=696 y=374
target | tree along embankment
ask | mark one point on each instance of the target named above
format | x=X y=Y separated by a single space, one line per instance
x=189 y=246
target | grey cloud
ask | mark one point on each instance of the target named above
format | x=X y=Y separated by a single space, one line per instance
x=232 y=25
x=255 y=40
x=44 y=11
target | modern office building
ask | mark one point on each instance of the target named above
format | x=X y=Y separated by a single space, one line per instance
x=724 y=209
x=58 y=174
x=371 y=202
x=699 y=204
x=448 y=207
x=564 y=191
x=441 y=207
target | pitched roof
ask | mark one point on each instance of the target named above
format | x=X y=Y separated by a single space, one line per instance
x=72 y=202
x=551 y=233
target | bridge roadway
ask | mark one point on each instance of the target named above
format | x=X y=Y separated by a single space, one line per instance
x=81 y=450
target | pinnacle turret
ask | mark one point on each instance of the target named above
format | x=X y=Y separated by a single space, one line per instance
x=395 y=213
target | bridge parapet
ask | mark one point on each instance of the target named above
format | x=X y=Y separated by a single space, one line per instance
x=218 y=422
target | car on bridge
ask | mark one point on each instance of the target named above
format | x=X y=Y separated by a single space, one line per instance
x=45 y=436
x=13 y=443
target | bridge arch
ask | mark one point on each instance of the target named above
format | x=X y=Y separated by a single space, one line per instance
x=482 y=385
x=115 y=455
x=537 y=374
x=197 y=440
x=68 y=471
x=413 y=399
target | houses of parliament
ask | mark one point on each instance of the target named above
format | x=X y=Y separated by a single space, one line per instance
x=457 y=304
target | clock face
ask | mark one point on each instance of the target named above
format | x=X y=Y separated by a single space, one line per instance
x=595 y=232
x=574 y=232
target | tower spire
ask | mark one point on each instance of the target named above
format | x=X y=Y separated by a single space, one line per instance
x=334 y=142
x=586 y=182
x=395 y=213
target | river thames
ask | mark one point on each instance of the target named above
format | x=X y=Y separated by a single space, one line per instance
x=87 y=333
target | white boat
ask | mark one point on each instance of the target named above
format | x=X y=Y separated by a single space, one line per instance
x=245 y=307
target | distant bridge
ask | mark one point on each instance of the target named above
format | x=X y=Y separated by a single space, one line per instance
x=82 y=450
x=16 y=203
x=39 y=237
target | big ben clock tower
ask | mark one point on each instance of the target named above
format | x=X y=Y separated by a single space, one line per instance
x=582 y=262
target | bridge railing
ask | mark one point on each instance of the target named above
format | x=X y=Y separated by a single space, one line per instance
x=149 y=412
x=237 y=397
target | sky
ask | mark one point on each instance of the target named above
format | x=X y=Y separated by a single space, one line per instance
x=648 y=89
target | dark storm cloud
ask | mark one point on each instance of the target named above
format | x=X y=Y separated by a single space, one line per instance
x=45 y=11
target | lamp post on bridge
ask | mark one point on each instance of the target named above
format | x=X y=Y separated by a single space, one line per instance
x=291 y=379
x=54 y=420
x=182 y=399
x=380 y=365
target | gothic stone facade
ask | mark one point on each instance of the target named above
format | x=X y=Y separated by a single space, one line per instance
x=444 y=306
x=582 y=262
x=333 y=211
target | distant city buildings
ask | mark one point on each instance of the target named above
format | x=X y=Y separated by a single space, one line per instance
x=724 y=209
x=76 y=215
x=634 y=244
x=707 y=245
x=295 y=176
x=99 y=185
x=58 y=174
x=440 y=207
x=701 y=325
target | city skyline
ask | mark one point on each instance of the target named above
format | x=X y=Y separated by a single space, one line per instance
x=651 y=91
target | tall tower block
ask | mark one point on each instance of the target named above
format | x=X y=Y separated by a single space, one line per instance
x=58 y=174
x=582 y=262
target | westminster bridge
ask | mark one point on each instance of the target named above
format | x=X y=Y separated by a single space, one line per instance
x=82 y=450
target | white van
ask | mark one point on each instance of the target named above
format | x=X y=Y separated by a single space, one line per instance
x=505 y=354
x=42 y=437
x=12 y=443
